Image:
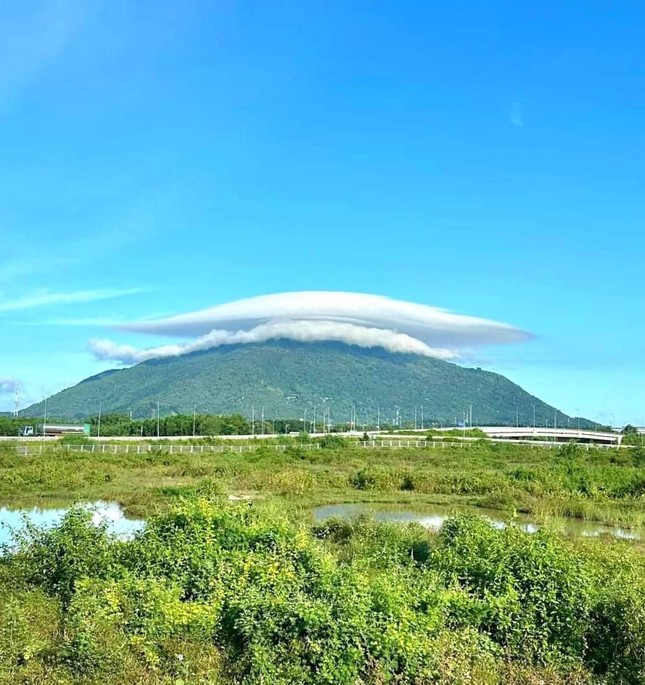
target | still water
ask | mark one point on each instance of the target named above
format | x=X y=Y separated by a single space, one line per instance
x=12 y=520
x=433 y=517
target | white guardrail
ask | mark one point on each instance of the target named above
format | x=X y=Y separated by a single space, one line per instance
x=170 y=448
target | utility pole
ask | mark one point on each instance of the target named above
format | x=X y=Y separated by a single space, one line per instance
x=304 y=422
x=158 y=420
x=314 y=429
x=378 y=419
x=415 y=417
x=194 y=418
x=45 y=420
x=470 y=420
x=421 y=417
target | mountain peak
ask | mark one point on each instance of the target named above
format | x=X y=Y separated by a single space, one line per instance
x=286 y=377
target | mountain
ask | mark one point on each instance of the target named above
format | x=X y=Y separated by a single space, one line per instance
x=288 y=377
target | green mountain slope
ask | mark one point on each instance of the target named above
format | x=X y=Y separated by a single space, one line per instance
x=287 y=377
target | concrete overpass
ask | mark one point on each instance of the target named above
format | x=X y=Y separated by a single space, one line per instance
x=553 y=434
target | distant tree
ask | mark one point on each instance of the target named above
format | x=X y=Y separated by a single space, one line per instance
x=630 y=430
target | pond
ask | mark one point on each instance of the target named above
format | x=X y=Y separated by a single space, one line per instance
x=12 y=520
x=433 y=517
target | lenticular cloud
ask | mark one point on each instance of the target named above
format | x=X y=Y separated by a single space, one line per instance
x=352 y=318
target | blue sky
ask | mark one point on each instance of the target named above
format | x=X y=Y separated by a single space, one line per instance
x=484 y=157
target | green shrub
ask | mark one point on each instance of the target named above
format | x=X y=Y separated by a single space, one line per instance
x=244 y=596
x=532 y=595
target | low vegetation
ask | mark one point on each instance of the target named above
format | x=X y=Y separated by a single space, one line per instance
x=596 y=484
x=255 y=592
x=214 y=593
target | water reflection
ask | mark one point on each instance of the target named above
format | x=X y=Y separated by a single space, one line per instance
x=432 y=517
x=12 y=520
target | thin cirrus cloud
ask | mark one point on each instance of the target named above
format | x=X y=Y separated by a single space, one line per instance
x=353 y=318
x=44 y=298
x=34 y=34
x=517 y=115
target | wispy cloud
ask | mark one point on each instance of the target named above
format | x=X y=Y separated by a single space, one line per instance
x=44 y=298
x=35 y=33
x=8 y=385
x=517 y=114
x=112 y=235
x=79 y=322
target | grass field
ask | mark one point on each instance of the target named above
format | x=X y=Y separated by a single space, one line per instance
x=601 y=485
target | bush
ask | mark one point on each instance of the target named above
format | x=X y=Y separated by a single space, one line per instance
x=56 y=559
x=530 y=594
x=247 y=597
x=331 y=442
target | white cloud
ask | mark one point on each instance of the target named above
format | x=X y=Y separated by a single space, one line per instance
x=43 y=298
x=434 y=326
x=302 y=331
x=353 y=318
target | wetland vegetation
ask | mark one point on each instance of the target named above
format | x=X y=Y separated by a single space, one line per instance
x=256 y=591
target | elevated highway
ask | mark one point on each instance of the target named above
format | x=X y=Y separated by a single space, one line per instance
x=553 y=434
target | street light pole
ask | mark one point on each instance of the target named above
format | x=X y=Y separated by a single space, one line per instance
x=45 y=420
x=194 y=418
x=158 y=419
x=98 y=428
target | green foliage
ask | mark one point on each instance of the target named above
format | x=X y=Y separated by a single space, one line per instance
x=287 y=377
x=531 y=595
x=216 y=593
x=56 y=559
x=331 y=442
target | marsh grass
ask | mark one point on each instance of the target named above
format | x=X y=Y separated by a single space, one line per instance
x=599 y=485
